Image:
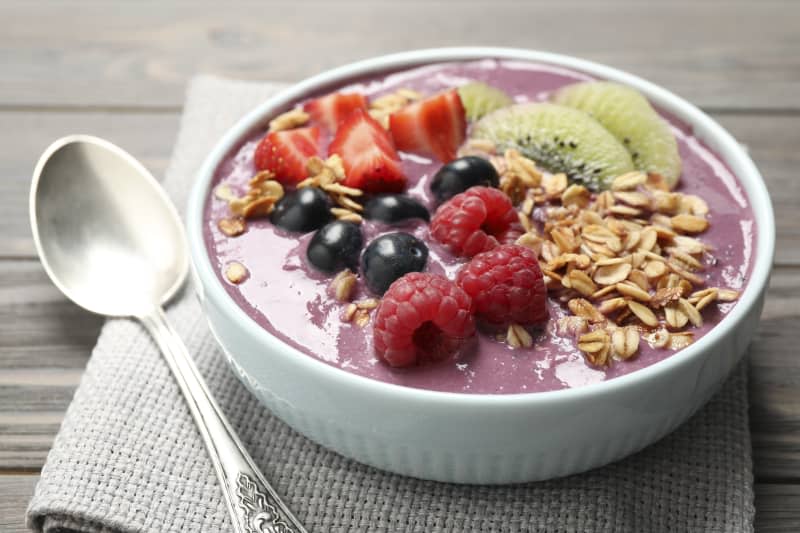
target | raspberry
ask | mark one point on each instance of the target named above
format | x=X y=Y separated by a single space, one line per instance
x=506 y=285
x=475 y=221
x=422 y=317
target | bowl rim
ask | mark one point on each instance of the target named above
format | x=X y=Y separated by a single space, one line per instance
x=703 y=126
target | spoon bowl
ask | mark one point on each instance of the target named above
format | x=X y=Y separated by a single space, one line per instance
x=105 y=231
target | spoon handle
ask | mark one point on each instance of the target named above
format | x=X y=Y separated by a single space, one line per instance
x=252 y=502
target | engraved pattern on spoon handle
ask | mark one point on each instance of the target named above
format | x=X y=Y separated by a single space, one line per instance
x=253 y=504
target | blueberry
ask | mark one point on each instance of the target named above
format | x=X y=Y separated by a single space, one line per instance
x=460 y=174
x=391 y=208
x=335 y=246
x=389 y=257
x=303 y=210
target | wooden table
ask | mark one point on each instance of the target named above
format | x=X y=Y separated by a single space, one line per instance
x=119 y=71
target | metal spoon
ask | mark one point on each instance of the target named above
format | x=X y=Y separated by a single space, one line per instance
x=112 y=242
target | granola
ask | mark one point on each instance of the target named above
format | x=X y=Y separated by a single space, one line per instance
x=628 y=261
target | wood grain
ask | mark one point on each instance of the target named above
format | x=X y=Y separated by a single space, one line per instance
x=119 y=71
x=15 y=491
x=725 y=55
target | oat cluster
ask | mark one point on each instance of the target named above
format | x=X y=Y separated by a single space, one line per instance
x=327 y=175
x=262 y=194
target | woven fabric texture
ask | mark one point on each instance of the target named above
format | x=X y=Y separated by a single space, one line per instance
x=128 y=458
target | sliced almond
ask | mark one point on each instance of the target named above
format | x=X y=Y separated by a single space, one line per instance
x=643 y=313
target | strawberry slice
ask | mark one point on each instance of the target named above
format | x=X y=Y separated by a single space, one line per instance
x=436 y=126
x=370 y=161
x=331 y=109
x=285 y=153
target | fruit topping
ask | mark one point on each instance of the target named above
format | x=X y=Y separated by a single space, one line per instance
x=480 y=99
x=331 y=109
x=506 y=285
x=285 y=153
x=632 y=120
x=391 y=256
x=422 y=317
x=303 y=210
x=435 y=126
x=335 y=246
x=560 y=139
x=367 y=151
x=460 y=174
x=392 y=208
x=475 y=221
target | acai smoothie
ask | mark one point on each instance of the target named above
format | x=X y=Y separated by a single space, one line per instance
x=484 y=227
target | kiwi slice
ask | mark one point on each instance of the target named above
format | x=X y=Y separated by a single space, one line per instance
x=632 y=120
x=560 y=139
x=480 y=99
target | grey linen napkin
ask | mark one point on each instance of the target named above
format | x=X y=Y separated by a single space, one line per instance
x=128 y=458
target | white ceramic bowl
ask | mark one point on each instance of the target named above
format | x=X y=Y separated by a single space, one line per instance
x=467 y=438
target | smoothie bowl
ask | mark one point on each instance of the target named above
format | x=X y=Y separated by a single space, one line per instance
x=481 y=265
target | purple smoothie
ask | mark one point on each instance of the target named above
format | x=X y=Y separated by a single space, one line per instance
x=290 y=299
